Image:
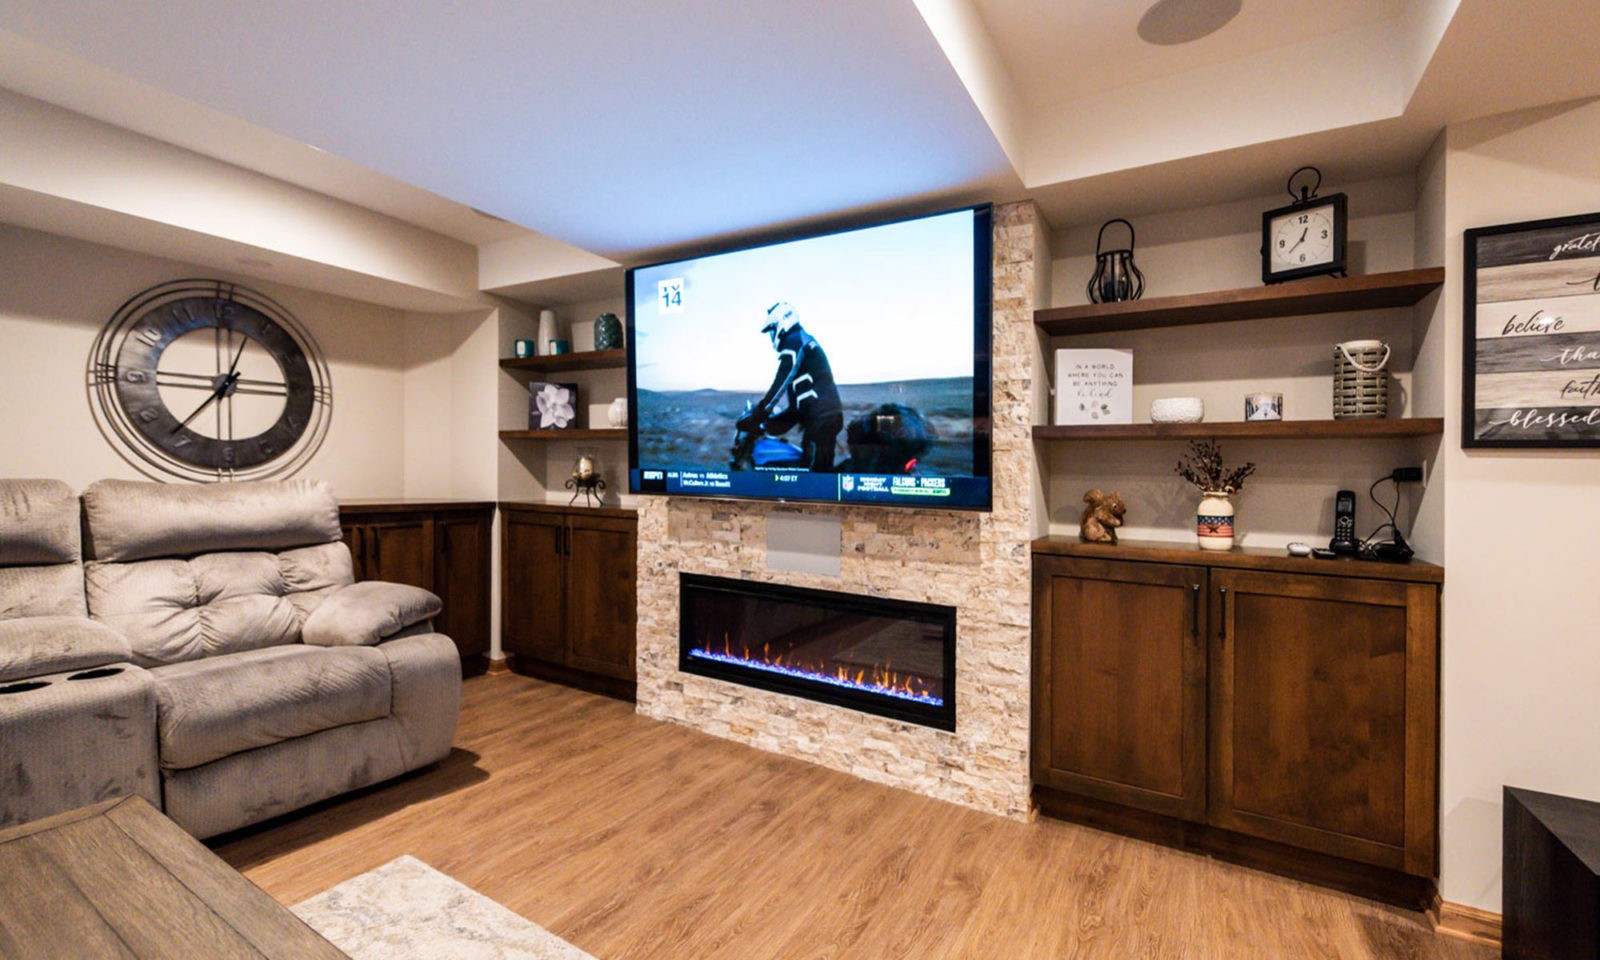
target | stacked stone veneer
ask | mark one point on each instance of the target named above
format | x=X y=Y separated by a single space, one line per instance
x=978 y=563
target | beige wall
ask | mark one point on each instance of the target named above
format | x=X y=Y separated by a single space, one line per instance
x=1521 y=657
x=56 y=293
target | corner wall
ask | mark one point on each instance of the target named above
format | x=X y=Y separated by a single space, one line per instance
x=980 y=563
x=1520 y=658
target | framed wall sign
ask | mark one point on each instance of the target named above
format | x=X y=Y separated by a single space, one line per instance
x=1532 y=334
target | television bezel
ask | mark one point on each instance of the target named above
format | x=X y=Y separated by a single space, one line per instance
x=982 y=362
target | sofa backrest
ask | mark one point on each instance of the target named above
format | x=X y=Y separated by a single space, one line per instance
x=41 y=571
x=190 y=571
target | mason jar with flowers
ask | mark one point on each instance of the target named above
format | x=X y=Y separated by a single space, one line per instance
x=1202 y=466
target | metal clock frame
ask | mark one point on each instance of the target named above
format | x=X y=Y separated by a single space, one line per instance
x=125 y=399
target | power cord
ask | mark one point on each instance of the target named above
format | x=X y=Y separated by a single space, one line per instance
x=1394 y=549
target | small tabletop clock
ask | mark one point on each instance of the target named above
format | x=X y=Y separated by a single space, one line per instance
x=1306 y=238
x=205 y=380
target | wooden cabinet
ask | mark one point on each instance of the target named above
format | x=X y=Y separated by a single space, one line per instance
x=1323 y=714
x=1243 y=697
x=568 y=596
x=438 y=545
x=1120 y=698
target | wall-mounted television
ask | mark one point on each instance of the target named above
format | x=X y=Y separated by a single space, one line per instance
x=848 y=367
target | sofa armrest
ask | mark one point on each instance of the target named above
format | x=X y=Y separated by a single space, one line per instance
x=36 y=646
x=366 y=613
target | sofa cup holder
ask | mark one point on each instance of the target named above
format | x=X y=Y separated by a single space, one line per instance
x=23 y=687
x=96 y=673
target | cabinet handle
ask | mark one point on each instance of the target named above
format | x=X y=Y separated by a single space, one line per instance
x=359 y=535
x=1222 y=620
x=377 y=550
x=1194 y=612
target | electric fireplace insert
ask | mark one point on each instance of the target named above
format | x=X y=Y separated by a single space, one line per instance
x=889 y=657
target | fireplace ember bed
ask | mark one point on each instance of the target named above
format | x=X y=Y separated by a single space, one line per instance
x=892 y=658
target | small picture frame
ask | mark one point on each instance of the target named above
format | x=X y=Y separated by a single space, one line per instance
x=552 y=406
x=1263 y=406
x=1531 y=334
x=1094 y=385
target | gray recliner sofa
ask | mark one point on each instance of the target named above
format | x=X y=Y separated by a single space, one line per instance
x=276 y=681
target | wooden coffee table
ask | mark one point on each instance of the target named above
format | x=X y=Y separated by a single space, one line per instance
x=118 y=879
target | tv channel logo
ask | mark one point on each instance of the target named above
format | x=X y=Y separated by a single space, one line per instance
x=669 y=295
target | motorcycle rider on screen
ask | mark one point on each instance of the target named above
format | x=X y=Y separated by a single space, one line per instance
x=802 y=394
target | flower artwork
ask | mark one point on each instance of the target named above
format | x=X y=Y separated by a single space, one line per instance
x=552 y=406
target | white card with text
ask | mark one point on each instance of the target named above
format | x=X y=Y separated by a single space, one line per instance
x=1094 y=386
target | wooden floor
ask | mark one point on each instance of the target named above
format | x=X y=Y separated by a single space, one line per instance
x=638 y=839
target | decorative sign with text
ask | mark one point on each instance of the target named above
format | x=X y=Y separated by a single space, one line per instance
x=1094 y=386
x=1532 y=334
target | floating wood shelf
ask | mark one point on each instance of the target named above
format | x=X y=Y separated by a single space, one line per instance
x=600 y=433
x=1258 y=430
x=1373 y=291
x=559 y=362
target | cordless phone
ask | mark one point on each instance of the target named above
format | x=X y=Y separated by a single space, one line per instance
x=1344 y=524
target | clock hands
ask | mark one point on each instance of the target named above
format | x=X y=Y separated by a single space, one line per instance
x=224 y=386
x=1297 y=243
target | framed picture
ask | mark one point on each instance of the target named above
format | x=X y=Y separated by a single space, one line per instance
x=1531 y=347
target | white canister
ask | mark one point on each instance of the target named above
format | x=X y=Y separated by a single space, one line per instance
x=1214 y=521
x=1177 y=410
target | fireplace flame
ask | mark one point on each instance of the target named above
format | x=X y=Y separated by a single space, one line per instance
x=879 y=678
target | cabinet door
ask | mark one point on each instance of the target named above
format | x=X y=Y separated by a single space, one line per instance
x=532 y=586
x=1324 y=714
x=461 y=577
x=1119 y=682
x=400 y=550
x=600 y=595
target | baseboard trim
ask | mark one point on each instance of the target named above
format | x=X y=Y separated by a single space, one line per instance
x=498 y=666
x=1472 y=924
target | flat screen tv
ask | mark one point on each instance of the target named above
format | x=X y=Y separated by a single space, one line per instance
x=849 y=367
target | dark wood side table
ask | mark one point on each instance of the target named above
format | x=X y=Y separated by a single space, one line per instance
x=119 y=880
x=1551 y=864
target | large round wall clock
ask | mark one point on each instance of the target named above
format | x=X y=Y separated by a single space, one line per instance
x=206 y=380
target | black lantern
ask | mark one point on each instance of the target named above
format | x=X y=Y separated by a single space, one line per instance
x=1115 y=276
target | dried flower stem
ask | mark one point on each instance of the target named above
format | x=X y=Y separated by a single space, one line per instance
x=1202 y=466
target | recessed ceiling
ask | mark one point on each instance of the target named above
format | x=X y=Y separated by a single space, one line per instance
x=1064 y=51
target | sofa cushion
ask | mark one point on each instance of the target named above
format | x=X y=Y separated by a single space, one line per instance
x=209 y=709
x=128 y=520
x=365 y=613
x=38 y=523
x=37 y=645
x=54 y=590
x=214 y=603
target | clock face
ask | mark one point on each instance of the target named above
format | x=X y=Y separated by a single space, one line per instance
x=1302 y=239
x=206 y=381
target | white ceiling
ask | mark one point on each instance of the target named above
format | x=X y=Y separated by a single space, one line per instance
x=635 y=129
x=1063 y=51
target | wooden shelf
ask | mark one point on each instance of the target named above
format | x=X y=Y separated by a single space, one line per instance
x=1373 y=291
x=599 y=433
x=1239 y=558
x=566 y=362
x=1257 y=430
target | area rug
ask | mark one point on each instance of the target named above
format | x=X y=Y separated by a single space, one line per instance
x=406 y=910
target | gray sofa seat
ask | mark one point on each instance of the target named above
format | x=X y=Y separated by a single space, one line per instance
x=223 y=705
x=213 y=586
x=77 y=721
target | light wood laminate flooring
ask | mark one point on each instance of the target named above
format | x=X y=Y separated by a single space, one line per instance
x=633 y=838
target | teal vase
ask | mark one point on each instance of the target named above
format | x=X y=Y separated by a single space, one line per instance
x=607 y=332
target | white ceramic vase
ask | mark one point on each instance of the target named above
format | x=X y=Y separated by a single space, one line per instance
x=617 y=413
x=547 y=331
x=1214 y=521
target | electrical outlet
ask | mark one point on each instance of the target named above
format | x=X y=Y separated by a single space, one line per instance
x=1407 y=475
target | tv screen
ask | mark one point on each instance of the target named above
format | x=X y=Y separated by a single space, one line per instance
x=850 y=367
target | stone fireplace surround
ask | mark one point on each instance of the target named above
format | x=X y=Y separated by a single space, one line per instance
x=976 y=562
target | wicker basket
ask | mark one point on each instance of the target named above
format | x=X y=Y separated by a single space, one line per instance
x=1360 y=380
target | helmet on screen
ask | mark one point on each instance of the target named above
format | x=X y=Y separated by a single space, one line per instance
x=781 y=318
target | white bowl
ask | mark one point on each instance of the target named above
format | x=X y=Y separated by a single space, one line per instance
x=1177 y=410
